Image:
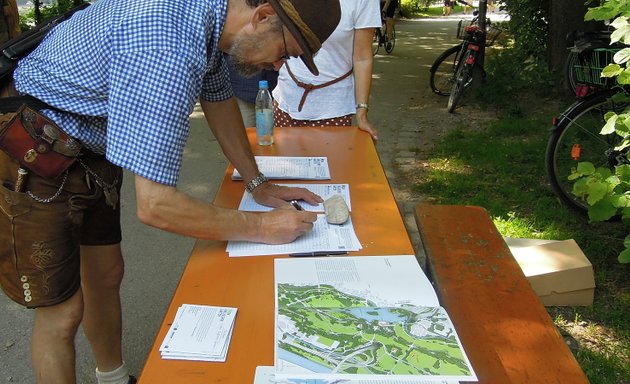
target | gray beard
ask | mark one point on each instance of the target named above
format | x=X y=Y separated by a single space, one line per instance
x=239 y=56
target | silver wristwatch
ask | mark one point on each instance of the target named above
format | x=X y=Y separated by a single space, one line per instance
x=255 y=182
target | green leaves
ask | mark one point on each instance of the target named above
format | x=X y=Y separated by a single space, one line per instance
x=612 y=70
x=607 y=11
x=622 y=56
x=607 y=191
x=624 y=256
x=609 y=127
x=601 y=211
x=622 y=31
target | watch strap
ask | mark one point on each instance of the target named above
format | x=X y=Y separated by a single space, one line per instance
x=255 y=182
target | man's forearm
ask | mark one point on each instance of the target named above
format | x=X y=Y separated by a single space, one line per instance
x=166 y=208
x=226 y=123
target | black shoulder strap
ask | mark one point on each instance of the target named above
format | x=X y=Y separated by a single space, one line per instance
x=17 y=48
x=13 y=103
x=20 y=46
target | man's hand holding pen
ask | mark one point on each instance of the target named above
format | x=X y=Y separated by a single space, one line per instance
x=285 y=224
x=288 y=220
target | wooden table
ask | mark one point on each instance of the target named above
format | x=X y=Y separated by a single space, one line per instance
x=213 y=278
x=506 y=331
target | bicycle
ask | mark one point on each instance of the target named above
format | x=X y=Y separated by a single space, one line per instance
x=381 y=39
x=576 y=134
x=462 y=65
x=585 y=53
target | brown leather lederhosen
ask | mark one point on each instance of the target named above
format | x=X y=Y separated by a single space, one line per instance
x=309 y=87
x=7 y=90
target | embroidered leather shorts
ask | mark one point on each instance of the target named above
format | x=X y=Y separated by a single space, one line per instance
x=40 y=240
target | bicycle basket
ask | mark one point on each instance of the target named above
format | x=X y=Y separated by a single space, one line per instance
x=588 y=69
x=491 y=34
x=461 y=29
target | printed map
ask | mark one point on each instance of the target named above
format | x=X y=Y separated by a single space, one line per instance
x=325 y=330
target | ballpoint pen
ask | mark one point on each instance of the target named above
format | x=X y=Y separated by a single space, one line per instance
x=297 y=206
x=319 y=253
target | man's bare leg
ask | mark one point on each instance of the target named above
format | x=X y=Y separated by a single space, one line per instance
x=52 y=343
x=102 y=270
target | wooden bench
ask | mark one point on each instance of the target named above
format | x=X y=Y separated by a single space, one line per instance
x=506 y=331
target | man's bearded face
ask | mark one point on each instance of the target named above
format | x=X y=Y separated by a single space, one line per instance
x=247 y=46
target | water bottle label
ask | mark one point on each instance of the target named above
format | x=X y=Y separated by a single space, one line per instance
x=264 y=122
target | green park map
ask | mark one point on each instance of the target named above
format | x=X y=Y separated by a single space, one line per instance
x=327 y=331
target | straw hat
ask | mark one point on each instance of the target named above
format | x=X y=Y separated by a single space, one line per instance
x=310 y=22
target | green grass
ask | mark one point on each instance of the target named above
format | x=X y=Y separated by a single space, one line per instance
x=501 y=168
x=410 y=9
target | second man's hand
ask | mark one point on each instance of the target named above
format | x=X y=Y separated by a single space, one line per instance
x=273 y=195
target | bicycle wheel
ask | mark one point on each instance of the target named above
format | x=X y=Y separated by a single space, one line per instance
x=442 y=72
x=576 y=138
x=570 y=72
x=390 y=44
x=376 y=41
x=463 y=77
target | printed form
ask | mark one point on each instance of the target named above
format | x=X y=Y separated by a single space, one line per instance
x=291 y=167
x=323 y=238
x=199 y=332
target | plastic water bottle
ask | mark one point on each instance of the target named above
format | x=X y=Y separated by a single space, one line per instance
x=264 y=114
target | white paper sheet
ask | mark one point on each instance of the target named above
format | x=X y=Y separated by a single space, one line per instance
x=266 y=375
x=388 y=281
x=323 y=237
x=325 y=191
x=199 y=332
x=291 y=167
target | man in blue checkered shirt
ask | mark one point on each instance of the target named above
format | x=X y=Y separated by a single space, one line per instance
x=123 y=77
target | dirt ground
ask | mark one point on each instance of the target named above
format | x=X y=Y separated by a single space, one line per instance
x=410 y=117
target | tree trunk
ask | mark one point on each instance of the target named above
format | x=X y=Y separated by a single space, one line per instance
x=10 y=23
x=37 y=11
x=565 y=16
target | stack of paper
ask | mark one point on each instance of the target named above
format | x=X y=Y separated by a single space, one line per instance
x=363 y=318
x=323 y=238
x=291 y=167
x=266 y=375
x=199 y=332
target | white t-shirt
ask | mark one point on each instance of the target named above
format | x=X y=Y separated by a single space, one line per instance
x=333 y=60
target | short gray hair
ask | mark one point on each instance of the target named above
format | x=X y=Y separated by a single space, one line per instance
x=255 y=3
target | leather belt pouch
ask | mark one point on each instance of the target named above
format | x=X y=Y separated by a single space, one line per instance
x=38 y=144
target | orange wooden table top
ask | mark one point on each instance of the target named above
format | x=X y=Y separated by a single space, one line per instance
x=506 y=332
x=247 y=283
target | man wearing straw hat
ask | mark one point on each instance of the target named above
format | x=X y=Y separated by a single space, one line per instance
x=121 y=78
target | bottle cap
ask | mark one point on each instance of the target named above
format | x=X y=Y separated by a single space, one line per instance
x=263 y=84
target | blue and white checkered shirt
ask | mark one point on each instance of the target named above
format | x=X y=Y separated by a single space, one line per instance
x=130 y=73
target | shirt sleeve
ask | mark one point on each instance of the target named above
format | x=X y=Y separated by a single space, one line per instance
x=368 y=15
x=151 y=97
x=216 y=83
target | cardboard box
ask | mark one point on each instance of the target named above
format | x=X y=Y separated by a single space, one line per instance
x=558 y=271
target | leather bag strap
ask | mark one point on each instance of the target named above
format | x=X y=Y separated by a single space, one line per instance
x=309 y=87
